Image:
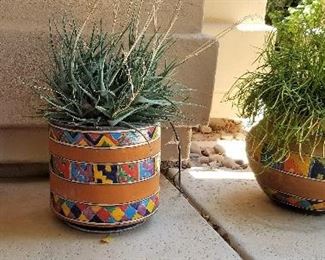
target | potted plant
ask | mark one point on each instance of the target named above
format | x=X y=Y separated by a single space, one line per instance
x=106 y=95
x=286 y=149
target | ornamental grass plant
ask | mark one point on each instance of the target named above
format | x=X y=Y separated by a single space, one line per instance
x=288 y=89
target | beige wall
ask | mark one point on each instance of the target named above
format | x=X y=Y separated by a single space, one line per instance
x=231 y=11
x=31 y=15
x=23 y=52
x=238 y=49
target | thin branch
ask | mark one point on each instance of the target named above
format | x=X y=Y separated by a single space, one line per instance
x=179 y=148
x=212 y=42
x=116 y=9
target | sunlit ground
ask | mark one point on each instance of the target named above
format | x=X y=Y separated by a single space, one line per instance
x=220 y=174
x=235 y=150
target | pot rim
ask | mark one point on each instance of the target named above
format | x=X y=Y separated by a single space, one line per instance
x=100 y=129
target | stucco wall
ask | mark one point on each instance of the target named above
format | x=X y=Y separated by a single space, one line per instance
x=23 y=53
x=238 y=49
x=231 y=11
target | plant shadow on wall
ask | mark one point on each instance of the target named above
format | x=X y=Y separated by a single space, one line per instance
x=106 y=94
x=288 y=91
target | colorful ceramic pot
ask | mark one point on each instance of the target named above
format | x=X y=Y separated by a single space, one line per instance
x=104 y=179
x=297 y=182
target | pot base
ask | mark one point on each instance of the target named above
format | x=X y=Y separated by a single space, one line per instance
x=103 y=230
x=300 y=205
x=296 y=182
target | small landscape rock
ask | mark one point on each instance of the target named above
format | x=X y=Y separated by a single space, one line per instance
x=208 y=151
x=244 y=166
x=194 y=156
x=217 y=124
x=195 y=148
x=227 y=125
x=205 y=129
x=204 y=160
x=215 y=164
x=240 y=162
x=187 y=165
x=218 y=149
x=230 y=163
x=216 y=158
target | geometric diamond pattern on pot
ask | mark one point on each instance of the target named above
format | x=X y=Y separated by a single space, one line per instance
x=60 y=166
x=295 y=201
x=128 y=173
x=81 y=172
x=105 y=173
x=103 y=139
x=147 y=168
x=309 y=167
x=83 y=212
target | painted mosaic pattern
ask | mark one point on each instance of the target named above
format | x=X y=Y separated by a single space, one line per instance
x=104 y=139
x=307 y=167
x=296 y=201
x=105 y=173
x=94 y=214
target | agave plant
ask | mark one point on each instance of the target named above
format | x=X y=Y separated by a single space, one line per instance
x=111 y=79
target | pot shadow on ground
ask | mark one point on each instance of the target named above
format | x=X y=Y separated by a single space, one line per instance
x=25 y=214
x=25 y=211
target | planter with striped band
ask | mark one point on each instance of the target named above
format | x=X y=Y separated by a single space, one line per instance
x=105 y=179
x=297 y=182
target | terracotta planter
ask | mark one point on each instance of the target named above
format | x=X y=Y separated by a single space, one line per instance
x=297 y=182
x=104 y=179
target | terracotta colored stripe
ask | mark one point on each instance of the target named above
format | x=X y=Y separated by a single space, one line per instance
x=295 y=185
x=104 y=194
x=97 y=155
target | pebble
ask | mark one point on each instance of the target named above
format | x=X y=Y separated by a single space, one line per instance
x=215 y=164
x=228 y=125
x=205 y=129
x=188 y=165
x=218 y=149
x=216 y=123
x=194 y=156
x=195 y=148
x=244 y=166
x=204 y=160
x=240 y=162
x=230 y=163
x=216 y=158
x=208 y=151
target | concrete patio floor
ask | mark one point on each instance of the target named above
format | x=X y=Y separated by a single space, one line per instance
x=246 y=224
x=28 y=230
x=253 y=225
